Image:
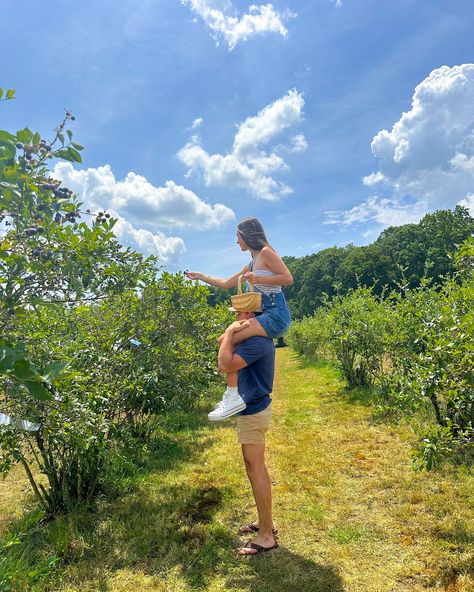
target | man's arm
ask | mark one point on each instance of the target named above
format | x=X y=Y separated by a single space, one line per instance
x=227 y=360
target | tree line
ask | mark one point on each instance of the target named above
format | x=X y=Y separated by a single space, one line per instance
x=402 y=255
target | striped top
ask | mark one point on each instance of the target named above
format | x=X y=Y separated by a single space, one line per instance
x=264 y=288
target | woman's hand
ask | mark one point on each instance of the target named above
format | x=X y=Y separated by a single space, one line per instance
x=249 y=277
x=193 y=275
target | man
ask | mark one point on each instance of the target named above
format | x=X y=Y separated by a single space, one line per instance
x=254 y=359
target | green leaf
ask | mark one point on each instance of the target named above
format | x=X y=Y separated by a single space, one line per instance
x=76 y=157
x=22 y=369
x=1 y=92
x=78 y=146
x=6 y=137
x=25 y=135
x=54 y=370
x=64 y=154
x=38 y=390
x=10 y=93
x=7 y=358
x=61 y=138
x=7 y=150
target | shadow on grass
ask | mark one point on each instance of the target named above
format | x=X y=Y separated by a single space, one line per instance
x=361 y=395
x=32 y=551
x=284 y=571
x=177 y=531
x=158 y=527
x=171 y=529
x=177 y=438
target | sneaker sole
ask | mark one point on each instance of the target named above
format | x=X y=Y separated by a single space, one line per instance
x=229 y=413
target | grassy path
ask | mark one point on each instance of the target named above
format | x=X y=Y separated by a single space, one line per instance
x=352 y=514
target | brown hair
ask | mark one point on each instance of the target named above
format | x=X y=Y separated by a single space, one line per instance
x=253 y=234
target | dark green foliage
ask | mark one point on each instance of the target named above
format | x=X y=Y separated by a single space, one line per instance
x=358 y=328
x=93 y=343
x=218 y=296
x=432 y=353
x=310 y=336
x=130 y=357
x=400 y=254
x=314 y=278
x=46 y=255
x=351 y=330
x=416 y=347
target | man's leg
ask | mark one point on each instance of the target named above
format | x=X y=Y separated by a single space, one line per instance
x=254 y=457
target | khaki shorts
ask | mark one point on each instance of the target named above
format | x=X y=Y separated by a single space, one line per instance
x=251 y=429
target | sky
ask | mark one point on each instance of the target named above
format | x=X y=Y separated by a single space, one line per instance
x=328 y=120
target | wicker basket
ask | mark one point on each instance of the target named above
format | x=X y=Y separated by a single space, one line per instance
x=246 y=301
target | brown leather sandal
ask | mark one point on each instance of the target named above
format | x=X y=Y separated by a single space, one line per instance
x=257 y=548
x=252 y=527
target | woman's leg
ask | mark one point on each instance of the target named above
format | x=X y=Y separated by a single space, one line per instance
x=254 y=329
x=232 y=378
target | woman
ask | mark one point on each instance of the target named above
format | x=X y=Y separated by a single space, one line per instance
x=267 y=273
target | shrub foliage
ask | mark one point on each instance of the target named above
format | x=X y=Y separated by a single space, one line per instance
x=415 y=347
x=94 y=340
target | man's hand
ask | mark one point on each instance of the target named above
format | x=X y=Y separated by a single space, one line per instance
x=237 y=326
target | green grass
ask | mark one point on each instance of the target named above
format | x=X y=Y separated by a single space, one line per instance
x=352 y=514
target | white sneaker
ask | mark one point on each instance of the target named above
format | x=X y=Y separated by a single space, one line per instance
x=229 y=405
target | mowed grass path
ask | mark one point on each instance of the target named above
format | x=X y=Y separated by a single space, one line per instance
x=352 y=514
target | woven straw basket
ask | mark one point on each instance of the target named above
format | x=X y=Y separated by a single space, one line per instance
x=246 y=301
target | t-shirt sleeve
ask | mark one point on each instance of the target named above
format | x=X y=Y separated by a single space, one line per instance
x=253 y=349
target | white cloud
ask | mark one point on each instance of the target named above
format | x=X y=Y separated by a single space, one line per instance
x=385 y=211
x=168 y=248
x=248 y=166
x=221 y=17
x=197 y=122
x=468 y=202
x=140 y=201
x=138 y=205
x=428 y=154
x=298 y=143
x=373 y=179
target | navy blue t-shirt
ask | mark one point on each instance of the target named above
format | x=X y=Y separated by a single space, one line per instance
x=256 y=379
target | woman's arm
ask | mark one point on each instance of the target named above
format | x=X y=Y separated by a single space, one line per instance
x=270 y=260
x=230 y=282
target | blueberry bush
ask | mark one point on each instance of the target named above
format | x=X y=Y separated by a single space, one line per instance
x=95 y=340
x=414 y=348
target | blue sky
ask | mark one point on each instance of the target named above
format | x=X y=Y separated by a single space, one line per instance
x=195 y=114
